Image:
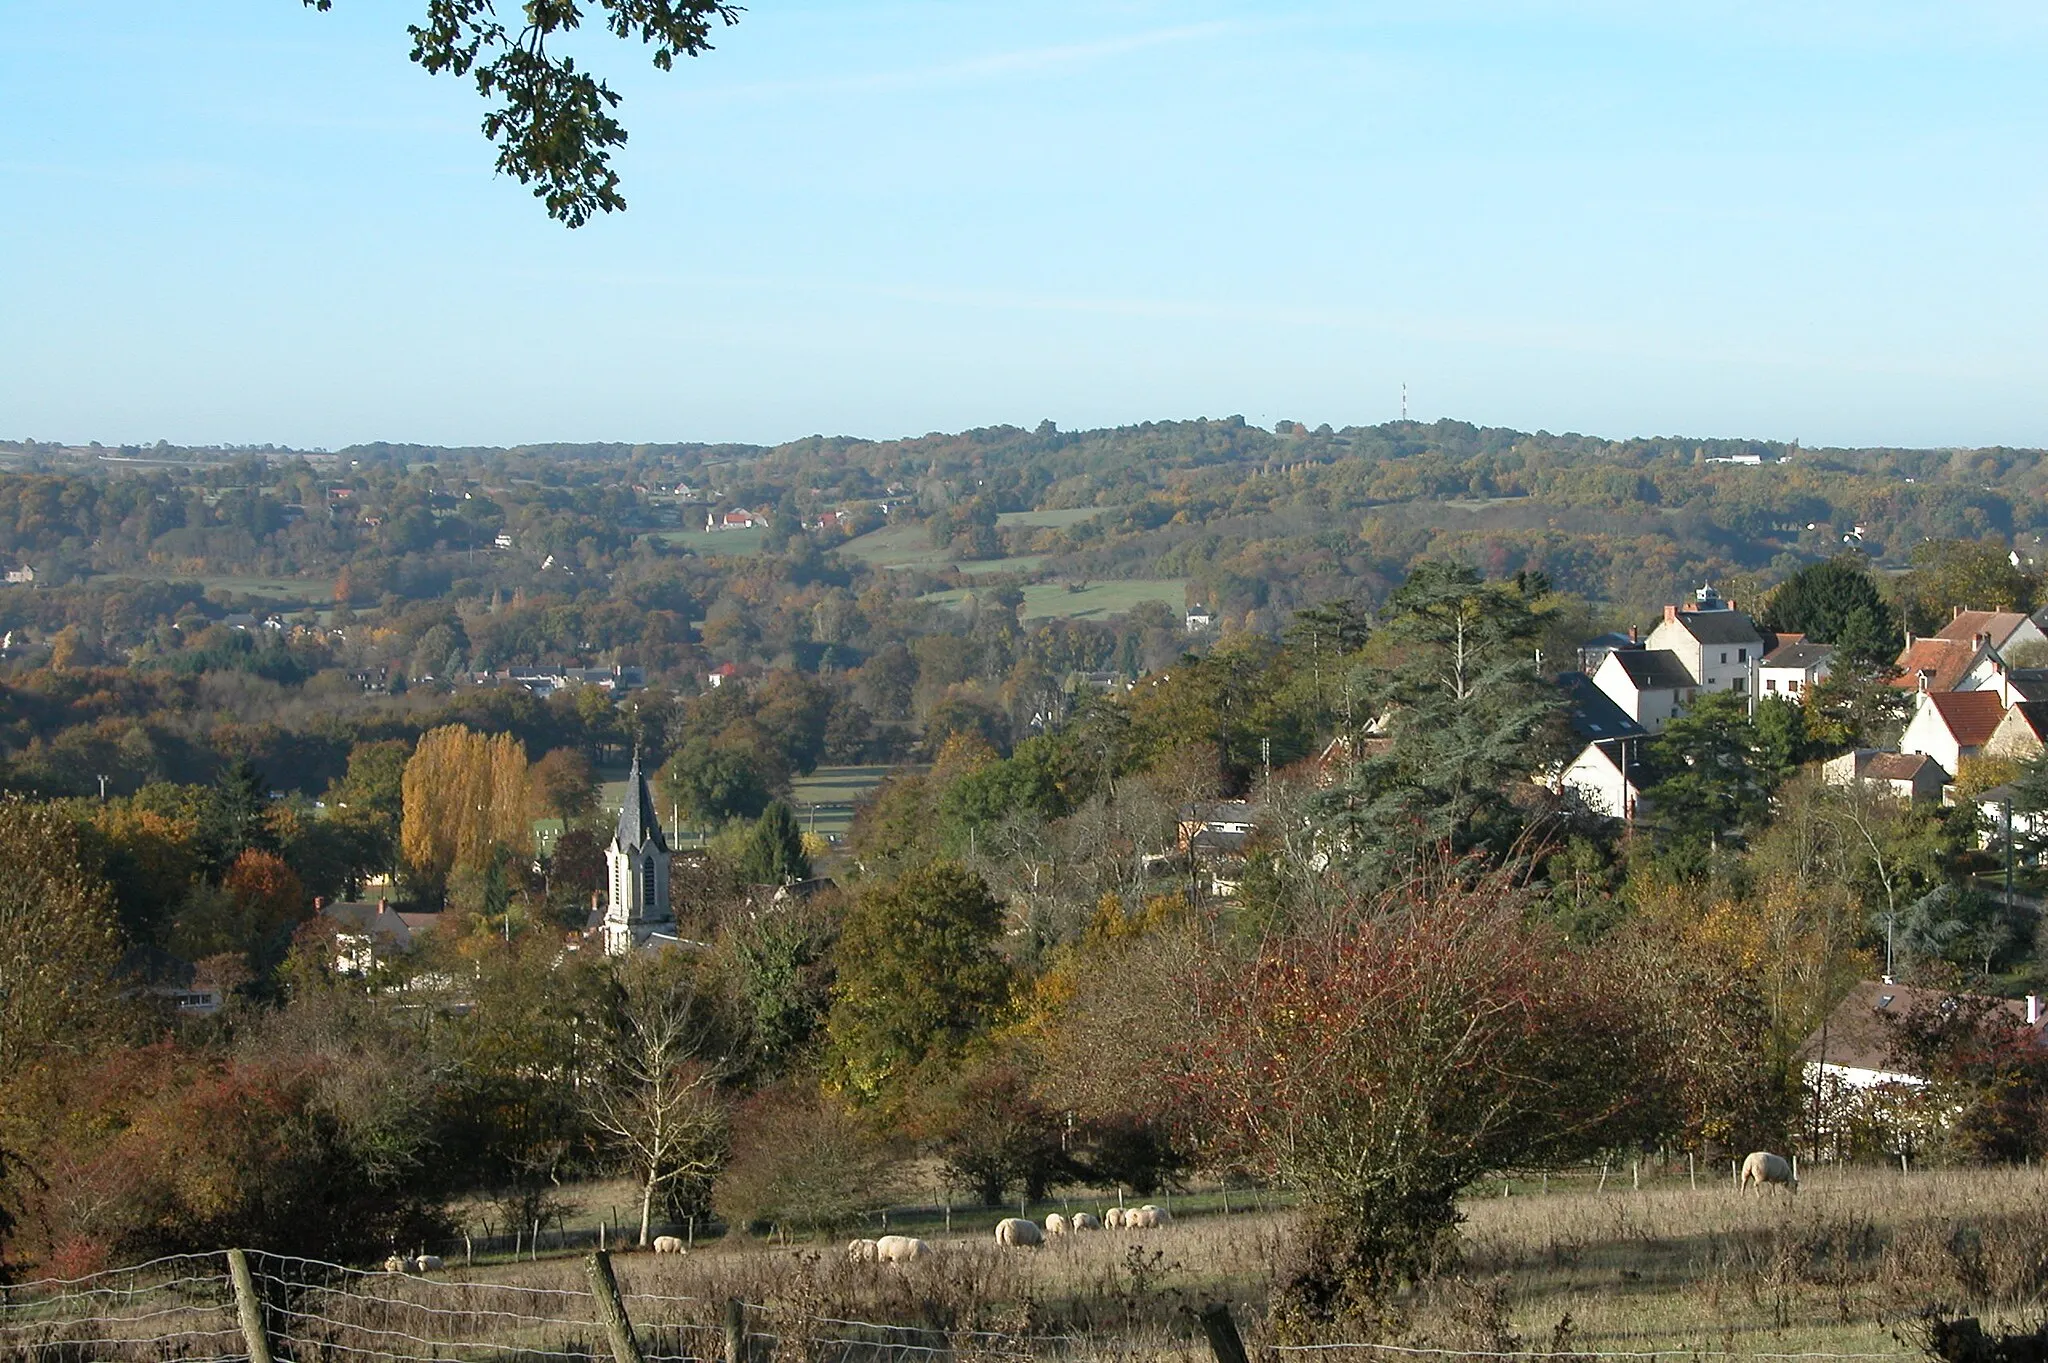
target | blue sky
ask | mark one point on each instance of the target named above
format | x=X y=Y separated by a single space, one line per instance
x=250 y=222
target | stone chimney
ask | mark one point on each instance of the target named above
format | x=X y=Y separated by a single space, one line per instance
x=1670 y=614
x=319 y=903
x=1635 y=636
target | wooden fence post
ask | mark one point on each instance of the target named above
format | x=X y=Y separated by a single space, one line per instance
x=611 y=1309
x=248 y=1307
x=1224 y=1341
x=735 y=1330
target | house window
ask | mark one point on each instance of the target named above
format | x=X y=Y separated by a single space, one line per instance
x=1770 y=684
x=1741 y=685
x=1741 y=655
x=1724 y=655
x=1792 y=685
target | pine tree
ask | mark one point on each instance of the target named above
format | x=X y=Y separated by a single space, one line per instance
x=774 y=853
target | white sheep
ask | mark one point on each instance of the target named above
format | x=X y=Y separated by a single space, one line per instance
x=1084 y=1221
x=900 y=1249
x=397 y=1264
x=668 y=1244
x=861 y=1252
x=1761 y=1167
x=427 y=1263
x=1055 y=1224
x=1114 y=1218
x=1015 y=1230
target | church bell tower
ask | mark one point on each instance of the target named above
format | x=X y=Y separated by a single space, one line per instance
x=637 y=863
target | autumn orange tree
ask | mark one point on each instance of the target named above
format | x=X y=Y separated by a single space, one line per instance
x=1383 y=1061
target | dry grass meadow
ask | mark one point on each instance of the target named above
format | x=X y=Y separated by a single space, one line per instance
x=1566 y=1266
x=1560 y=1266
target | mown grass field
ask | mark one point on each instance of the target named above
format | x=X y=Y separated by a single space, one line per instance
x=726 y=543
x=1053 y=520
x=1092 y=601
x=1842 y=1266
x=910 y=546
x=297 y=590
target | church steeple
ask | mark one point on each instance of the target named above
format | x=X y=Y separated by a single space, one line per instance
x=639 y=825
x=638 y=862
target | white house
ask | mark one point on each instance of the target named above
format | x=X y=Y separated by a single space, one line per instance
x=1951 y=725
x=24 y=576
x=1718 y=646
x=1605 y=774
x=1794 y=667
x=2022 y=733
x=1199 y=619
x=1650 y=685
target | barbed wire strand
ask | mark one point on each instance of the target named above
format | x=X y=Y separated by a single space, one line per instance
x=1575 y=1353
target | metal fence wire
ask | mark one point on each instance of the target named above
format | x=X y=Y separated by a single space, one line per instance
x=230 y=1306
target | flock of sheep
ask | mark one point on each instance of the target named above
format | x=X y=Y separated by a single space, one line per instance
x=1759 y=1169
x=1013 y=1231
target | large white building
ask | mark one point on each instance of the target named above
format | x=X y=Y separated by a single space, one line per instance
x=1717 y=645
x=637 y=863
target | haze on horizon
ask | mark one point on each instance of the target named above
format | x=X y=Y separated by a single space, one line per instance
x=249 y=223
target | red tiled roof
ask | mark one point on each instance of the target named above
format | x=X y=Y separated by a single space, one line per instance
x=1970 y=715
x=1969 y=624
x=1947 y=659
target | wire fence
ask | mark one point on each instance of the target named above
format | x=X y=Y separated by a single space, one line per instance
x=190 y=1309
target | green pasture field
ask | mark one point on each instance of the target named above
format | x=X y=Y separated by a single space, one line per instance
x=907 y=546
x=1095 y=601
x=729 y=543
x=1051 y=520
x=295 y=589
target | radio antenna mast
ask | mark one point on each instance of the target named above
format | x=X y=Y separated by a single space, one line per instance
x=1404 y=401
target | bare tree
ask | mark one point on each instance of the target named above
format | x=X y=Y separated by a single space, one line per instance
x=655 y=1097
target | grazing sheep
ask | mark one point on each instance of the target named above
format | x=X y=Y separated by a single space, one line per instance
x=668 y=1244
x=1055 y=1224
x=1015 y=1230
x=1145 y=1218
x=1084 y=1221
x=427 y=1263
x=395 y=1264
x=900 y=1249
x=1761 y=1167
x=1114 y=1218
x=861 y=1252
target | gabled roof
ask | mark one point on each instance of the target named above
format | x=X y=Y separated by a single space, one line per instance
x=1970 y=716
x=1593 y=715
x=638 y=824
x=1896 y=766
x=1719 y=627
x=1857 y=1036
x=1945 y=660
x=1802 y=656
x=1651 y=669
x=1967 y=625
x=2031 y=715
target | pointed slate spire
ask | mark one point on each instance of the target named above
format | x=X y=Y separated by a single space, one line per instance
x=639 y=826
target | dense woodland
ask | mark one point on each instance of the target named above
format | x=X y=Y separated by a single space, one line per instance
x=1015 y=969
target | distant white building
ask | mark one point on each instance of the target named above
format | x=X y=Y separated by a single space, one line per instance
x=24 y=576
x=1199 y=619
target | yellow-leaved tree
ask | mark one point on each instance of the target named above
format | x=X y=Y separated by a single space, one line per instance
x=465 y=793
